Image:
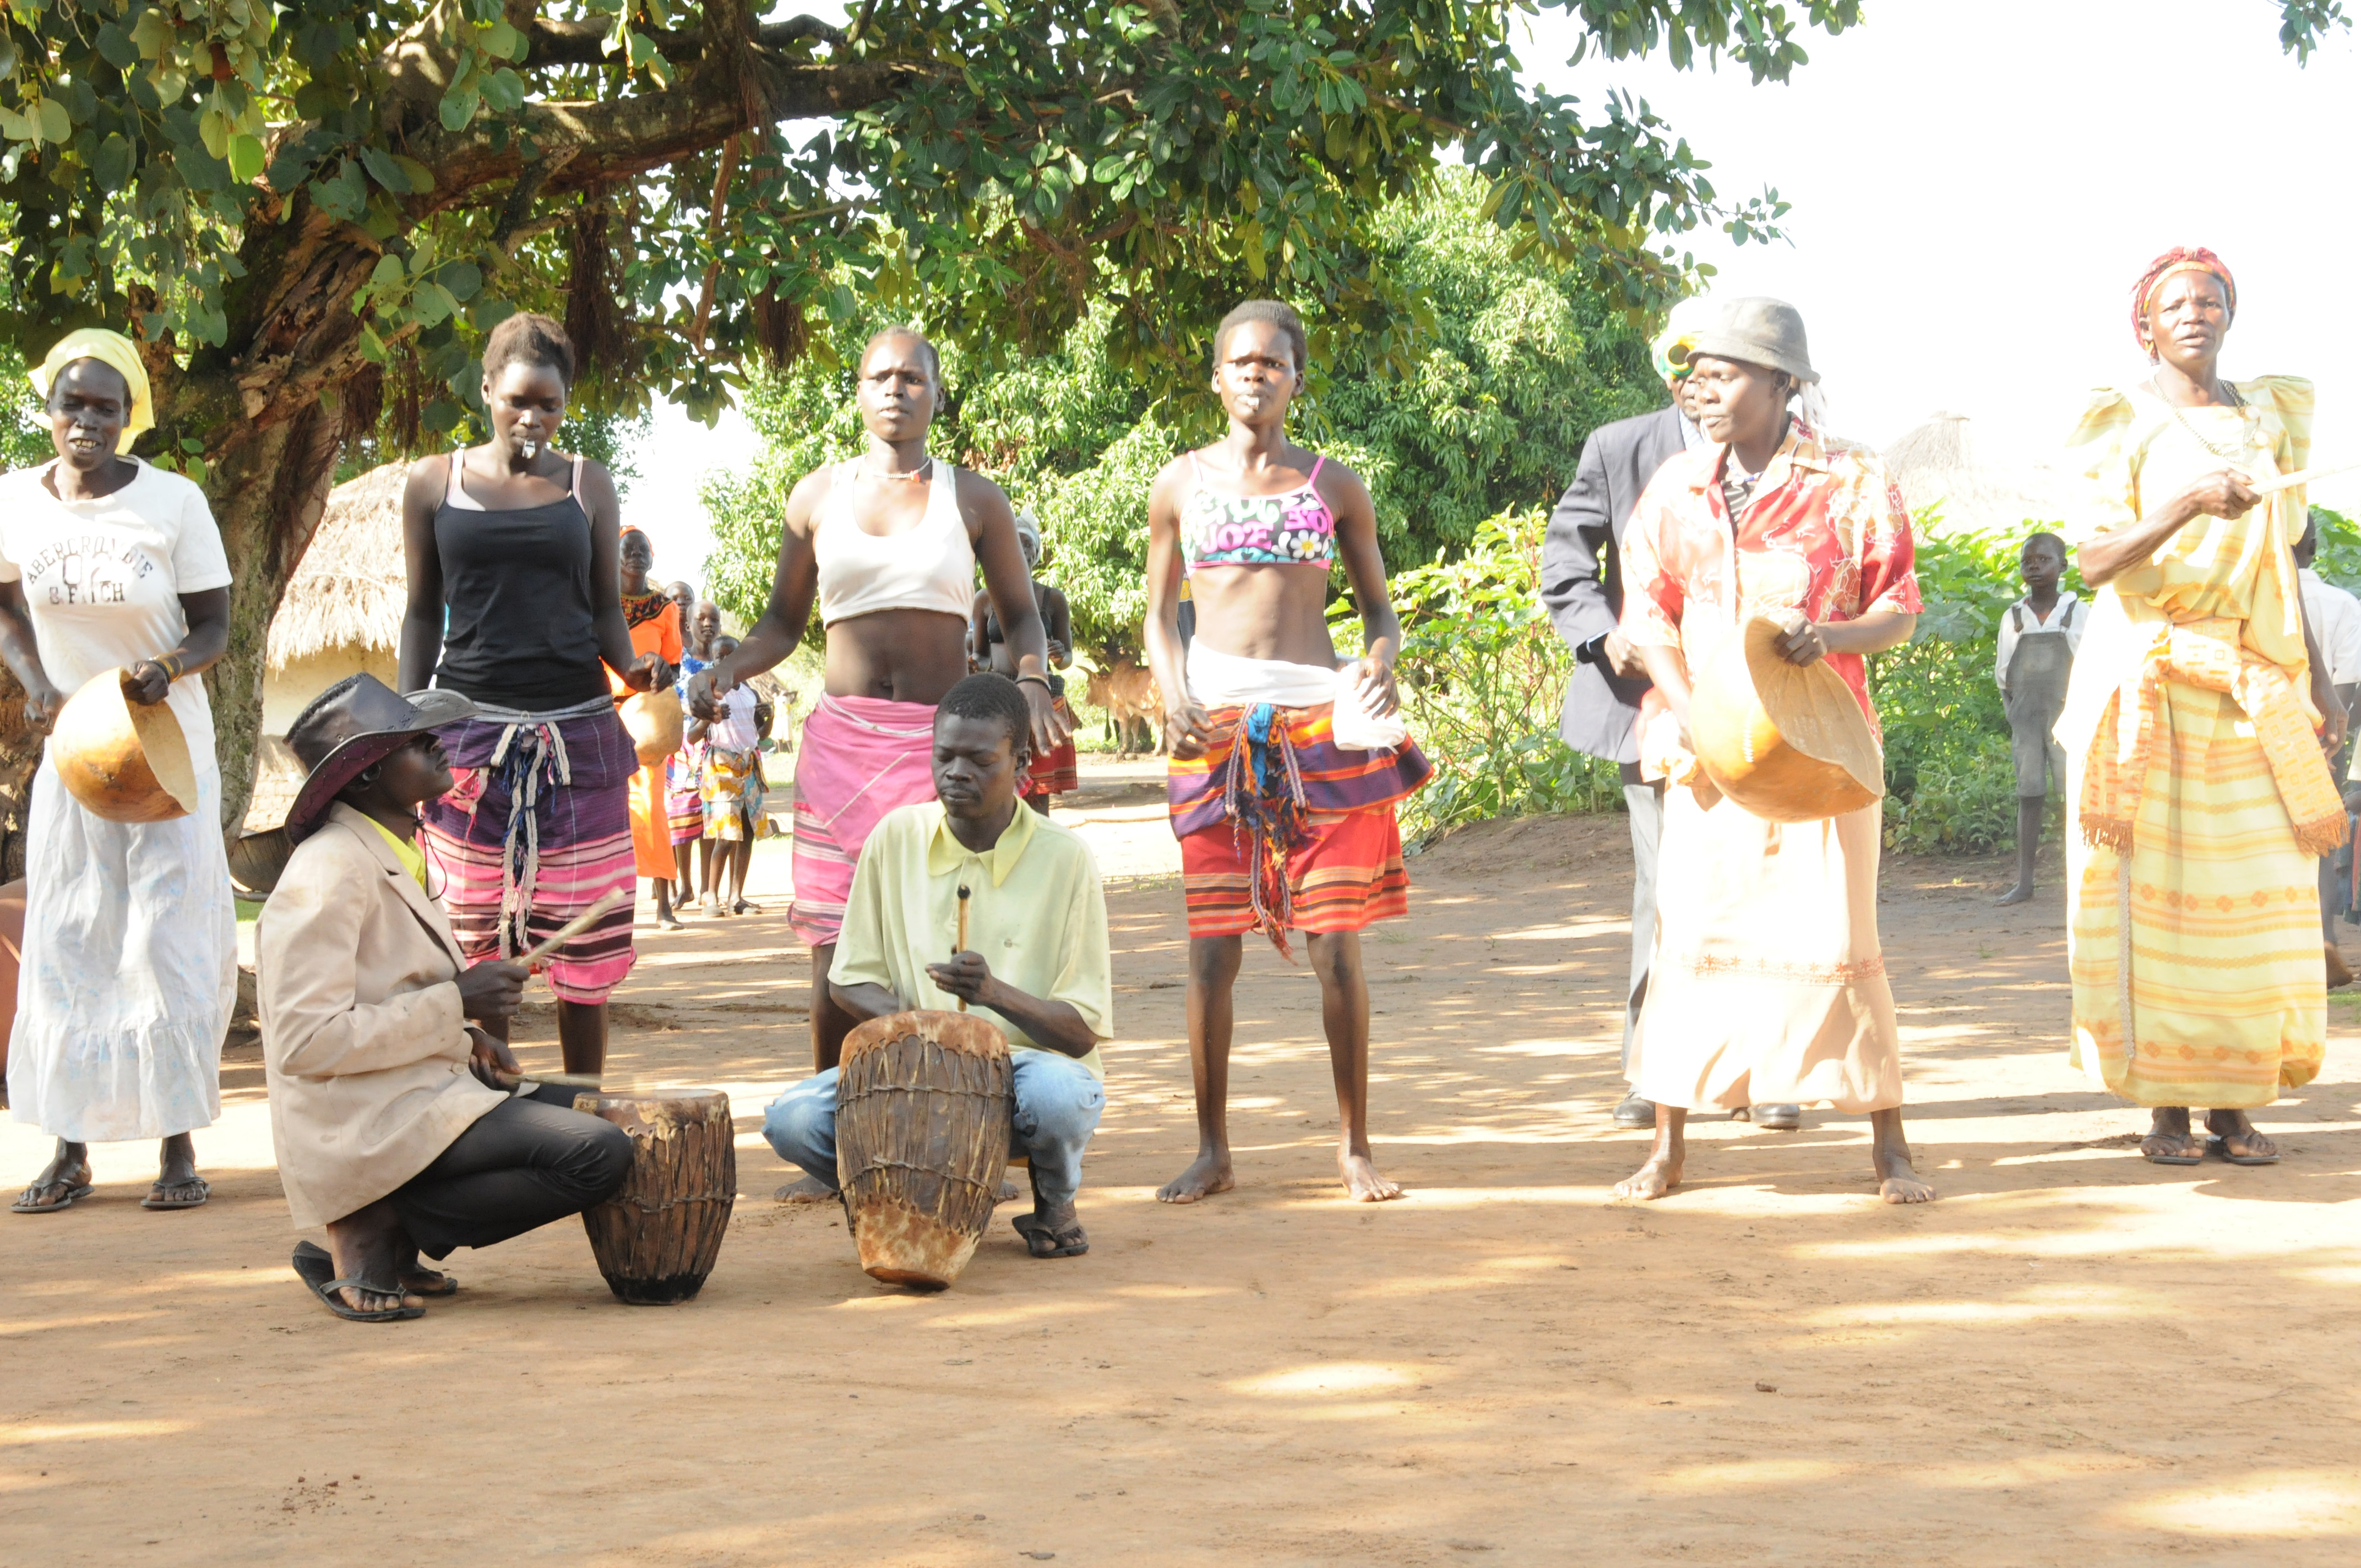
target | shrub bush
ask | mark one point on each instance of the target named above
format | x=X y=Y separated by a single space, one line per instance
x=1483 y=672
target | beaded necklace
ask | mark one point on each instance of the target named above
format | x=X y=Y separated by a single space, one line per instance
x=2236 y=401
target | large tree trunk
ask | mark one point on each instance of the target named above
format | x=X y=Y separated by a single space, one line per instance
x=268 y=493
x=271 y=407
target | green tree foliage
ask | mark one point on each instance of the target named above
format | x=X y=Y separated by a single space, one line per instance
x=1527 y=358
x=312 y=212
x=1483 y=672
x=2337 y=554
x=24 y=424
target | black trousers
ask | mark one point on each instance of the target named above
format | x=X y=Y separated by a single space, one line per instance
x=527 y=1161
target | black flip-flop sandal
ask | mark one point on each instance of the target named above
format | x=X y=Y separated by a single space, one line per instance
x=1043 y=1242
x=204 y=1192
x=75 y=1193
x=2219 y=1146
x=2170 y=1158
x=445 y=1286
x=313 y=1267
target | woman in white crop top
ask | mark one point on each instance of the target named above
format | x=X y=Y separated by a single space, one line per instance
x=887 y=544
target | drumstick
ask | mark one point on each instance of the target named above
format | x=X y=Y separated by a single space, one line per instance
x=539 y=950
x=572 y=929
x=962 y=935
x=563 y=1079
x=2300 y=476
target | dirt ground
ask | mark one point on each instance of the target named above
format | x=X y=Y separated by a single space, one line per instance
x=2074 y=1357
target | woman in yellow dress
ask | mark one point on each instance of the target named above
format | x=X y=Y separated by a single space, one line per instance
x=2194 y=729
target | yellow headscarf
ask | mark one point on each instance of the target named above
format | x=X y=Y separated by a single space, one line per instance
x=1670 y=350
x=111 y=348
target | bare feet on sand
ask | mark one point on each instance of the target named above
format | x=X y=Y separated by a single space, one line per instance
x=2021 y=894
x=1905 y=1188
x=1207 y=1174
x=1362 y=1181
x=1662 y=1171
x=1659 y=1175
x=805 y=1189
x=1889 y=1152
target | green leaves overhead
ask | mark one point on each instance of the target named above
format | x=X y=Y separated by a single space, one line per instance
x=999 y=168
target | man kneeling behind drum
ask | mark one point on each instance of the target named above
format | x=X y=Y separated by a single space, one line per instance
x=383 y=1105
x=1036 y=951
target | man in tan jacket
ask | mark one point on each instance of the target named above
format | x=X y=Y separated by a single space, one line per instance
x=391 y=1128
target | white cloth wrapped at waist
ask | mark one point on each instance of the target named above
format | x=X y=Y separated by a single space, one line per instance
x=1217 y=679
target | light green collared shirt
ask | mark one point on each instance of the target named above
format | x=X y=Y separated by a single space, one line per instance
x=1036 y=913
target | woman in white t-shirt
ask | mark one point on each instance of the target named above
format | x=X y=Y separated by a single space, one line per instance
x=130 y=958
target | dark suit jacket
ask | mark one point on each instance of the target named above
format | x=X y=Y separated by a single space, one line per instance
x=1582 y=575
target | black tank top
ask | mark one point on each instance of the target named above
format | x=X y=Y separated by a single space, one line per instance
x=516 y=595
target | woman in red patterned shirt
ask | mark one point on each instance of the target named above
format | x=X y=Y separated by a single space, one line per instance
x=1768 y=984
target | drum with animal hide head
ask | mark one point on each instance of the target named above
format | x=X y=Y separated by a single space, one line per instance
x=922 y=1111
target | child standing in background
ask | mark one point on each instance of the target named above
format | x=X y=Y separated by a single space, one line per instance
x=2038 y=639
x=730 y=784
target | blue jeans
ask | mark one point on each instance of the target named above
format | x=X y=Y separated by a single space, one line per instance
x=1058 y=1108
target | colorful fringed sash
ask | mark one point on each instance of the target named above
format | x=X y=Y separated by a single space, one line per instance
x=1271 y=771
x=2209 y=655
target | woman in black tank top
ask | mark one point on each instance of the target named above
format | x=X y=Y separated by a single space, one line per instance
x=515 y=601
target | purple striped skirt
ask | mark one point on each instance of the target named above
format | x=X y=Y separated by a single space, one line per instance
x=538 y=827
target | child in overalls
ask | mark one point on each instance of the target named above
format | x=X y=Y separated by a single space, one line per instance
x=2038 y=639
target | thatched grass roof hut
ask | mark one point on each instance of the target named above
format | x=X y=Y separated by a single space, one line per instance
x=341 y=615
x=346 y=599
x=1937 y=463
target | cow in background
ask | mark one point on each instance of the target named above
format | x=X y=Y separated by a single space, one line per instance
x=1128 y=696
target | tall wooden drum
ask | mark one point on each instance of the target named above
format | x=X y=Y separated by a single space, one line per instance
x=922 y=1108
x=656 y=1238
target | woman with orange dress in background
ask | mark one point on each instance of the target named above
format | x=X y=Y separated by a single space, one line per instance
x=654 y=621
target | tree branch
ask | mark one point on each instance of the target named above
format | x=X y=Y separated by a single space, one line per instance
x=584 y=42
x=616 y=138
x=514 y=212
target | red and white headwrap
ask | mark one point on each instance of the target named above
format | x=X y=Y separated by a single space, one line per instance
x=2180 y=258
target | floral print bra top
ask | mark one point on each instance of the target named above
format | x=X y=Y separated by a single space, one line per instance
x=1293 y=527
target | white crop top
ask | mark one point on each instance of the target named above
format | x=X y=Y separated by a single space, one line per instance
x=931 y=566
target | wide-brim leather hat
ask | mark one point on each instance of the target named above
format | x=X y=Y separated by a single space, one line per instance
x=350 y=728
x=1759 y=331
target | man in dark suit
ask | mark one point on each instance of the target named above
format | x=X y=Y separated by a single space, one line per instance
x=1582 y=587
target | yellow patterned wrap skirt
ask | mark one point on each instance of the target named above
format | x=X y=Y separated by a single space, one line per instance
x=2196 y=958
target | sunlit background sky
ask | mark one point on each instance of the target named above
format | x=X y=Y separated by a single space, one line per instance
x=1975 y=186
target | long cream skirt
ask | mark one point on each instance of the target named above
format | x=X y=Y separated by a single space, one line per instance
x=1768 y=985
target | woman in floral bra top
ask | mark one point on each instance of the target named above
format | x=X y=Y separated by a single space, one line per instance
x=1286 y=769
x=1221 y=530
